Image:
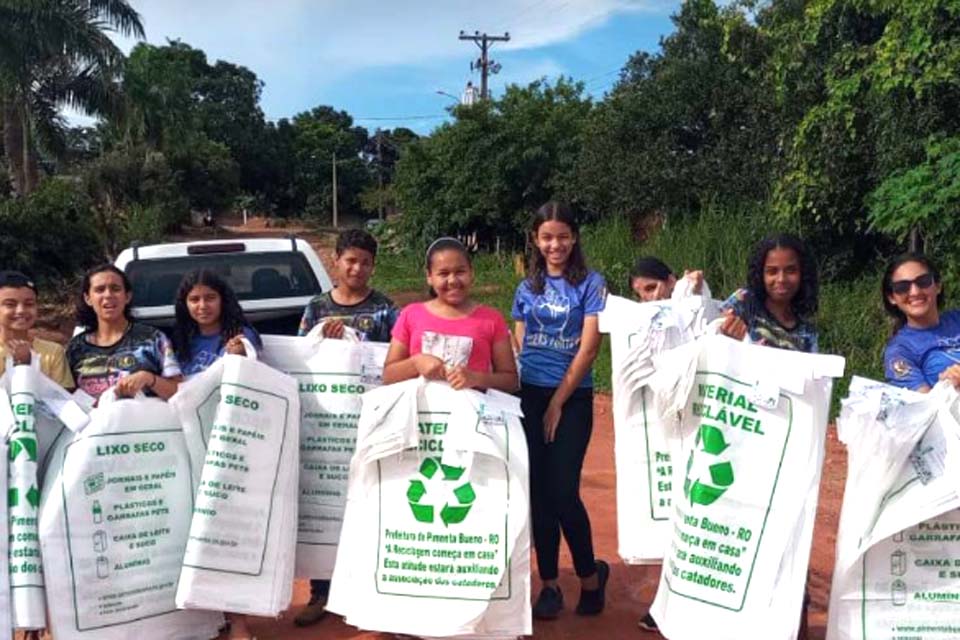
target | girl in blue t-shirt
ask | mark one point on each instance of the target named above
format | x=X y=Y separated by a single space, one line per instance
x=555 y=309
x=209 y=324
x=925 y=346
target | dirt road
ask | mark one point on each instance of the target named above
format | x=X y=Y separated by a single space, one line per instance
x=631 y=589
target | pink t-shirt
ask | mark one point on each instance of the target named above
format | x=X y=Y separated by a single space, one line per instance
x=461 y=341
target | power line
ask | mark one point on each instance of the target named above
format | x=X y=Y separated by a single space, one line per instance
x=423 y=117
x=590 y=81
x=603 y=88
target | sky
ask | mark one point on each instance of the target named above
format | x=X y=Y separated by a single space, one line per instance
x=383 y=61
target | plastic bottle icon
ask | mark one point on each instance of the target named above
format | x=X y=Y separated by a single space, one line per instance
x=97 y=512
x=103 y=567
x=898 y=563
x=898 y=593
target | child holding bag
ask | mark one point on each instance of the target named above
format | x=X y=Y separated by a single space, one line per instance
x=451 y=337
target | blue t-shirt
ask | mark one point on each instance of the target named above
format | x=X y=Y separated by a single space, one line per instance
x=205 y=350
x=553 y=324
x=916 y=357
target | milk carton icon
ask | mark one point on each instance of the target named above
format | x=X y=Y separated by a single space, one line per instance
x=898 y=537
x=100 y=541
x=898 y=593
x=898 y=563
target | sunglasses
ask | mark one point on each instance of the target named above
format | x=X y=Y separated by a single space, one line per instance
x=902 y=287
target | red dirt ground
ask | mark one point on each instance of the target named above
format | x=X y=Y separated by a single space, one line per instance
x=631 y=589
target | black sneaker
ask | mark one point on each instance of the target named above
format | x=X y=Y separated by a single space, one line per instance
x=647 y=623
x=592 y=602
x=314 y=612
x=549 y=604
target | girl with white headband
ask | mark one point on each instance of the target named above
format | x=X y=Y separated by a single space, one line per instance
x=450 y=337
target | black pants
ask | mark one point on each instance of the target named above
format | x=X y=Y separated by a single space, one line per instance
x=555 y=479
x=319 y=589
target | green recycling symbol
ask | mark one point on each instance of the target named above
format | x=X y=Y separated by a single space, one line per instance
x=32 y=496
x=449 y=513
x=23 y=443
x=721 y=473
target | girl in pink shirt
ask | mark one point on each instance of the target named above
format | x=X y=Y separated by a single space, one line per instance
x=451 y=337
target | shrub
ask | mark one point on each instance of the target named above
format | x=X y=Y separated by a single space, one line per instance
x=851 y=319
x=49 y=233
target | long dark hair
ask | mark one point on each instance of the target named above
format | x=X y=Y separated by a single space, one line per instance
x=650 y=267
x=232 y=321
x=886 y=286
x=86 y=316
x=575 y=270
x=804 y=303
x=445 y=244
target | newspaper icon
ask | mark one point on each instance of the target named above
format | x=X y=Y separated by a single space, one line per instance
x=93 y=484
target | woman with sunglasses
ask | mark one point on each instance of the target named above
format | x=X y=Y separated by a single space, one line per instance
x=925 y=346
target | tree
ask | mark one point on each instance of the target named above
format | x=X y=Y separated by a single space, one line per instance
x=160 y=107
x=180 y=106
x=229 y=113
x=381 y=154
x=48 y=233
x=500 y=160
x=924 y=197
x=870 y=83
x=134 y=195
x=55 y=53
x=319 y=135
x=685 y=126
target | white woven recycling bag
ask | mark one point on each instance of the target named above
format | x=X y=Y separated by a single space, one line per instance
x=114 y=517
x=745 y=488
x=897 y=571
x=436 y=535
x=645 y=443
x=241 y=420
x=331 y=376
x=33 y=425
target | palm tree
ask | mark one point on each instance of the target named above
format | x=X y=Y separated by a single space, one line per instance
x=56 y=53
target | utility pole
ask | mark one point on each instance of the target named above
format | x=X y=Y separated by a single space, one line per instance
x=335 y=222
x=379 y=177
x=485 y=65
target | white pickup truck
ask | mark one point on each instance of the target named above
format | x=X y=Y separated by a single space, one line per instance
x=273 y=278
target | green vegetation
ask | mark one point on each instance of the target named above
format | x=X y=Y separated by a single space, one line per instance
x=494 y=165
x=852 y=321
x=494 y=284
x=48 y=231
x=835 y=119
x=718 y=241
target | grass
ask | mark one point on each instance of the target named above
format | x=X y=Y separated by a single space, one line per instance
x=851 y=318
x=495 y=279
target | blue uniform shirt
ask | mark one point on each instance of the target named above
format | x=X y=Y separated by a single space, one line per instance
x=916 y=357
x=205 y=350
x=553 y=323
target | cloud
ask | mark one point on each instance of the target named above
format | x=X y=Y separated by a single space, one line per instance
x=327 y=40
x=553 y=21
x=314 y=51
x=522 y=72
